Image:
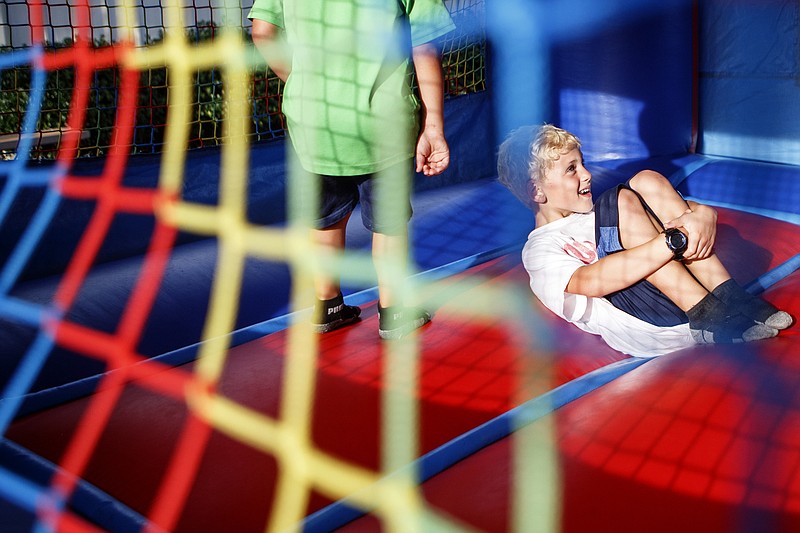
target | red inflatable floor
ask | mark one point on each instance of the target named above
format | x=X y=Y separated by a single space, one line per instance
x=703 y=440
x=706 y=439
x=471 y=372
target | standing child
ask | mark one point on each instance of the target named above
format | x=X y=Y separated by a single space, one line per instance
x=612 y=267
x=354 y=122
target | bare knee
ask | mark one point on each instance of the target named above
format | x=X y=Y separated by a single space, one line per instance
x=629 y=203
x=659 y=194
x=649 y=182
x=635 y=225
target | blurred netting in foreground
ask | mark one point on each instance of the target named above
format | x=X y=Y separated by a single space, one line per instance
x=463 y=61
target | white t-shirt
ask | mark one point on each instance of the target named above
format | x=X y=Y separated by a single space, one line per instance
x=552 y=255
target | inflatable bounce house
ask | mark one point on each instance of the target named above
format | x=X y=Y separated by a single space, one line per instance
x=157 y=367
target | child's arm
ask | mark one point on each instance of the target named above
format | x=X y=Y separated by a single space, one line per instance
x=700 y=224
x=699 y=221
x=433 y=154
x=620 y=270
x=269 y=40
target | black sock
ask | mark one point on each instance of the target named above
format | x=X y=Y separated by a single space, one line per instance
x=398 y=321
x=711 y=320
x=326 y=310
x=704 y=312
x=730 y=293
x=387 y=316
x=395 y=315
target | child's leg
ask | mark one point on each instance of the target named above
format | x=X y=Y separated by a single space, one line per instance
x=330 y=311
x=709 y=319
x=395 y=318
x=666 y=204
x=386 y=210
x=336 y=199
x=635 y=228
x=387 y=252
x=332 y=237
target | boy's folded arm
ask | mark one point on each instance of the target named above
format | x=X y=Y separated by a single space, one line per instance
x=620 y=270
x=699 y=222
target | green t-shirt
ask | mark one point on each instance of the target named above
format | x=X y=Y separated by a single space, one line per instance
x=348 y=100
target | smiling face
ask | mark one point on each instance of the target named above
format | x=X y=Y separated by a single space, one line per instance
x=565 y=188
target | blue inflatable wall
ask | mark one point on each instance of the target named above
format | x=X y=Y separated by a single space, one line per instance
x=620 y=74
x=750 y=79
x=621 y=77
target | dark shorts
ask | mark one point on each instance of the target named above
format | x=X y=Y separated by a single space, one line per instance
x=642 y=299
x=339 y=195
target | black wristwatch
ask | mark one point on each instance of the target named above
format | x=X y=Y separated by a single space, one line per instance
x=676 y=242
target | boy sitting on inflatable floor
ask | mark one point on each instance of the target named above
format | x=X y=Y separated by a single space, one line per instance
x=612 y=268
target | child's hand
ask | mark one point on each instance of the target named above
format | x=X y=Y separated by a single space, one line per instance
x=700 y=224
x=433 y=154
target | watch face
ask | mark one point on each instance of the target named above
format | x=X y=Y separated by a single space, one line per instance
x=677 y=240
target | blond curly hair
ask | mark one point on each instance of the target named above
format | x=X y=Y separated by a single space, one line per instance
x=527 y=154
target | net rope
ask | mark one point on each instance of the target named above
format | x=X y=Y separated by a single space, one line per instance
x=126 y=88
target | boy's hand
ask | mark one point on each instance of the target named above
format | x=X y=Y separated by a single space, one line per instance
x=433 y=154
x=700 y=224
